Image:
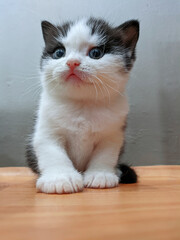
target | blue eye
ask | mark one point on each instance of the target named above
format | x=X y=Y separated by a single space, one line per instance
x=96 y=53
x=58 y=53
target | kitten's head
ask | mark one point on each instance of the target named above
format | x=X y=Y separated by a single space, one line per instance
x=88 y=59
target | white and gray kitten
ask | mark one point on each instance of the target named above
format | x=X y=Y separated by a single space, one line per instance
x=79 y=130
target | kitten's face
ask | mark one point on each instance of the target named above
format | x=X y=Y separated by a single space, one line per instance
x=87 y=59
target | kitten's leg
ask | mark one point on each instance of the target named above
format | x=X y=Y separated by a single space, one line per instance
x=101 y=171
x=57 y=173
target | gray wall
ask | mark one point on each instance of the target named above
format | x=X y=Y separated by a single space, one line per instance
x=154 y=88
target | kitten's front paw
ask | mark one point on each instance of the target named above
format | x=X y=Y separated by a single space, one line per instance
x=96 y=179
x=61 y=183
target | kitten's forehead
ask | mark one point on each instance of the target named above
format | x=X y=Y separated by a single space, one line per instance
x=79 y=35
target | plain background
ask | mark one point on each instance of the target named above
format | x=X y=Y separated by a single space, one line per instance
x=152 y=135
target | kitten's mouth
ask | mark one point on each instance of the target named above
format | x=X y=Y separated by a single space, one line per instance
x=72 y=77
x=75 y=78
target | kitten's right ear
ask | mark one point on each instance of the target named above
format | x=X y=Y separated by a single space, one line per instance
x=130 y=33
x=49 y=31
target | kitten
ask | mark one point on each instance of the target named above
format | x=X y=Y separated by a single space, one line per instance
x=79 y=131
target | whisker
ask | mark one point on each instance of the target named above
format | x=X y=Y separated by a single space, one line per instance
x=112 y=87
x=32 y=90
x=112 y=80
x=100 y=89
x=103 y=87
x=95 y=88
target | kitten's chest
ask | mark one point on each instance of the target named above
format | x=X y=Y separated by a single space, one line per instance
x=82 y=129
x=80 y=145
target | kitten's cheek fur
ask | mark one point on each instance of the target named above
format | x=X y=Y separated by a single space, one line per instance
x=95 y=179
x=62 y=183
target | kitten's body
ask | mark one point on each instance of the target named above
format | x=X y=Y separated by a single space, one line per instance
x=81 y=126
x=80 y=122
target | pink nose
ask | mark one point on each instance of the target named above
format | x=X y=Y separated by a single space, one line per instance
x=73 y=63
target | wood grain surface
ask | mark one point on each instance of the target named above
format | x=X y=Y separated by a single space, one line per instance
x=148 y=210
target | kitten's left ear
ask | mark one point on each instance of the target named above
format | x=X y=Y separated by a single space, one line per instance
x=130 y=33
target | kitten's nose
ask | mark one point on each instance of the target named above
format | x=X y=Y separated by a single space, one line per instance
x=73 y=63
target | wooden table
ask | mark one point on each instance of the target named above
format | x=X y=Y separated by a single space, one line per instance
x=148 y=210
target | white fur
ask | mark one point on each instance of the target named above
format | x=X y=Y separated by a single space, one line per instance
x=78 y=134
